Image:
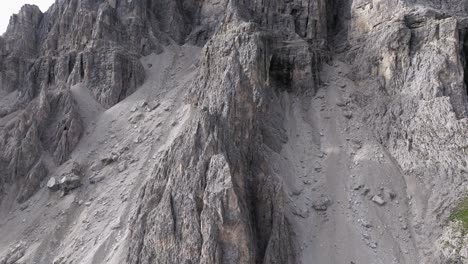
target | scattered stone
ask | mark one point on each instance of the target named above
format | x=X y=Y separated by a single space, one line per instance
x=391 y=194
x=364 y=223
x=122 y=166
x=357 y=187
x=301 y=213
x=135 y=118
x=348 y=115
x=357 y=143
x=58 y=260
x=113 y=158
x=97 y=166
x=365 y=191
x=340 y=104
x=138 y=140
x=153 y=105
x=96 y=179
x=378 y=200
x=297 y=191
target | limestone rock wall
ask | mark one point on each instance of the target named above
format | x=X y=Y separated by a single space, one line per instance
x=415 y=62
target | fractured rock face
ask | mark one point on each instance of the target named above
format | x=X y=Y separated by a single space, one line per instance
x=14 y=254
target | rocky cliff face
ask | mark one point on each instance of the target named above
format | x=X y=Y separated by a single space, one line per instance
x=234 y=132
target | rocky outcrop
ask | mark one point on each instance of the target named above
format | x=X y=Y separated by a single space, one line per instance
x=39 y=63
x=214 y=190
x=97 y=43
x=415 y=63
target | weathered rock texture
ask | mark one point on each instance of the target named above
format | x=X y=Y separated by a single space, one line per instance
x=213 y=195
x=417 y=107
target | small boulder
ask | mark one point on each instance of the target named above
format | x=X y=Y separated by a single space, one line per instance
x=340 y=104
x=301 y=213
x=390 y=194
x=108 y=160
x=135 y=118
x=321 y=204
x=153 y=105
x=70 y=182
x=297 y=191
x=307 y=182
x=58 y=260
x=378 y=200
x=143 y=103
x=122 y=166
x=364 y=223
x=357 y=187
x=53 y=184
x=365 y=191
x=138 y=140
x=348 y=115
x=97 y=166
x=96 y=179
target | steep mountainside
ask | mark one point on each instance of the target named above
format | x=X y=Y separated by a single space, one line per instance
x=235 y=131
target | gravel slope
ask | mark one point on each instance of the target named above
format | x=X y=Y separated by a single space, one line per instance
x=88 y=225
x=333 y=167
